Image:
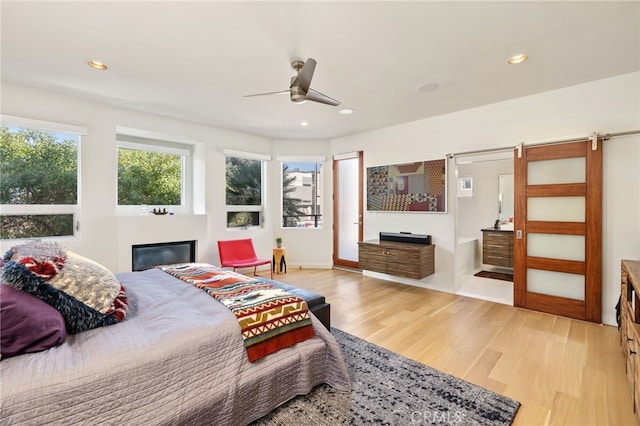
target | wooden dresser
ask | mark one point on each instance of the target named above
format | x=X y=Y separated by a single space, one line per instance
x=497 y=247
x=630 y=326
x=394 y=258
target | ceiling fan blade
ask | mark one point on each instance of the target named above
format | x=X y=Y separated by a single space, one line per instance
x=281 y=92
x=303 y=79
x=314 y=95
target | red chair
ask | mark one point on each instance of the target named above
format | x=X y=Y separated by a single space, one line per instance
x=241 y=254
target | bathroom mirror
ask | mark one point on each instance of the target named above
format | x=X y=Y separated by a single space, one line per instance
x=505 y=197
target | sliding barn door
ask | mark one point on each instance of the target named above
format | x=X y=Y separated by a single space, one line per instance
x=558 y=229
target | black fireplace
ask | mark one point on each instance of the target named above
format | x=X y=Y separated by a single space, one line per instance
x=146 y=256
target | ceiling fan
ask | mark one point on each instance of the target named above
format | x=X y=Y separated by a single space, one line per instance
x=299 y=90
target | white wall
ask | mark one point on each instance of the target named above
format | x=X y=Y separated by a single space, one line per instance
x=107 y=238
x=307 y=248
x=608 y=105
x=480 y=210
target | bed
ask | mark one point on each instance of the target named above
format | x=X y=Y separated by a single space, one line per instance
x=178 y=358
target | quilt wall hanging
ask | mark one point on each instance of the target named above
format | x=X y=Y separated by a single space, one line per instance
x=408 y=187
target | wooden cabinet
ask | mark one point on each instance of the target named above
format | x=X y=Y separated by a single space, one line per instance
x=402 y=259
x=630 y=326
x=497 y=247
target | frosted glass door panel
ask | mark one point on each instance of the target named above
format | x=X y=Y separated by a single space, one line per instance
x=556 y=209
x=566 y=170
x=348 y=202
x=560 y=284
x=555 y=246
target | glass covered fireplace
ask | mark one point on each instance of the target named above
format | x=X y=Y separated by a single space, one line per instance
x=145 y=256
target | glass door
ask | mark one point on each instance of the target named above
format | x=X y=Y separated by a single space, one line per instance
x=347 y=209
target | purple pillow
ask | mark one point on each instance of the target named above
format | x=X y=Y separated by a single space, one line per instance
x=27 y=324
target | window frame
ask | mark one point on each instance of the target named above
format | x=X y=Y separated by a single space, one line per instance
x=159 y=145
x=49 y=209
x=261 y=208
x=319 y=186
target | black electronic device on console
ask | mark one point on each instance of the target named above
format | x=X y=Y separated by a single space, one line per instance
x=405 y=237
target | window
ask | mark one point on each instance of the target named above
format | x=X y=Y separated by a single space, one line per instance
x=153 y=174
x=244 y=193
x=301 y=194
x=39 y=179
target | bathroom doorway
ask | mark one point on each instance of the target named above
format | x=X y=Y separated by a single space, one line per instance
x=479 y=202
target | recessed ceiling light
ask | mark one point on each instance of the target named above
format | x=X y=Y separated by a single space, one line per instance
x=518 y=59
x=304 y=123
x=428 y=87
x=97 y=65
x=346 y=111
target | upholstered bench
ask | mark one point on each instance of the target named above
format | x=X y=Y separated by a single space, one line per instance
x=316 y=302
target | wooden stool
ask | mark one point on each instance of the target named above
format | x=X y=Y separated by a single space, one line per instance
x=279 y=261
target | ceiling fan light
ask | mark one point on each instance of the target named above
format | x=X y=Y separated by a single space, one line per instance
x=297 y=94
x=346 y=111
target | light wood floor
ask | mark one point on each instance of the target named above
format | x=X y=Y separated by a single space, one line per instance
x=562 y=371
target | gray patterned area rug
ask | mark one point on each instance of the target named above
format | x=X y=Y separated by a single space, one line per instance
x=389 y=389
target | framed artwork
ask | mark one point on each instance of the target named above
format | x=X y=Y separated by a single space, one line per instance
x=408 y=187
x=465 y=187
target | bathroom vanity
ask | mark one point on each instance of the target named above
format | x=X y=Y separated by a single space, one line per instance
x=497 y=247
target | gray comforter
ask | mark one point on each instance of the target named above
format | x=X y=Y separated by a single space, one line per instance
x=178 y=358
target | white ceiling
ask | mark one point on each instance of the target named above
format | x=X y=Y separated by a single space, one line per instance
x=194 y=61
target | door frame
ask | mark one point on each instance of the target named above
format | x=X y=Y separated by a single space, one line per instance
x=336 y=210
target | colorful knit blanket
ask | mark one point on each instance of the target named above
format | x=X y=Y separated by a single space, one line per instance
x=270 y=318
